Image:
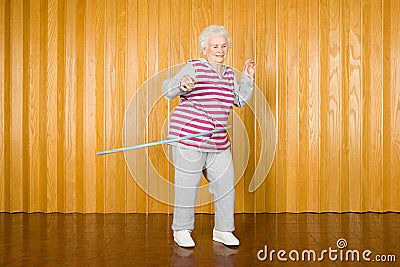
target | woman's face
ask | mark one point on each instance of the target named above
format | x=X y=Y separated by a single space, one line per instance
x=217 y=49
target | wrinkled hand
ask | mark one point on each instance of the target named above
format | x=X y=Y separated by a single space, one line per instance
x=187 y=83
x=250 y=67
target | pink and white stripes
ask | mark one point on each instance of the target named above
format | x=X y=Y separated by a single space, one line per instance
x=205 y=108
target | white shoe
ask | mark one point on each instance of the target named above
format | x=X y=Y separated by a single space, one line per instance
x=183 y=238
x=227 y=238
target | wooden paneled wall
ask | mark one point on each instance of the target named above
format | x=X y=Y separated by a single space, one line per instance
x=329 y=69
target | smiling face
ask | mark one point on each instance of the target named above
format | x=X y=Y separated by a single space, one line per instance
x=216 y=49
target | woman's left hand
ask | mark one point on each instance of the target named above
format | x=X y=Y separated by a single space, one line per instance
x=250 y=67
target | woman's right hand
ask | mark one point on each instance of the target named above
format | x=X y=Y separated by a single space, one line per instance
x=187 y=83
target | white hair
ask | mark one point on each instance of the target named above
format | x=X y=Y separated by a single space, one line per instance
x=210 y=31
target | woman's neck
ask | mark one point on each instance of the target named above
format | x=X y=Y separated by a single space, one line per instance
x=218 y=67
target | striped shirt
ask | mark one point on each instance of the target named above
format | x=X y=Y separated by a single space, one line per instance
x=207 y=106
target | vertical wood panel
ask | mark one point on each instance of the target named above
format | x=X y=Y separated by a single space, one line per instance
x=335 y=105
x=43 y=106
x=3 y=54
x=142 y=127
x=174 y=45
x=271 y=95
x=261 y=55
x=110 y=98
x=16 y=34
x=89 y=100
x=345 y=125
x=227 y=14
x=395 y=104
x=303 y=98
x=239 y=143
x=328 y=69
x=292 y=120
x=313 y=165
x=218 y=16
x=7 y=108
x=155 y=128
x=52 y=29
x=354 y=106
x=120 y=102
x=387 y=138
x=366 y=100
x=25 y=107
x=324 y=106
x=70 y=104
x=100 y=109
x=249 y=52
x=376 y=107
x=163 y=58
x=281 y=153
x=61 y=91
x=131 y=89
x=80 y=87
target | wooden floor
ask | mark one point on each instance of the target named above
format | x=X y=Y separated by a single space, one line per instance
x=146 y=240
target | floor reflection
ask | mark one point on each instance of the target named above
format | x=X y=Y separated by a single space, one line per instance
x=183 y=256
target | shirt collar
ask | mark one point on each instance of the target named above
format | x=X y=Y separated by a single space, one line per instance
x=203 y=60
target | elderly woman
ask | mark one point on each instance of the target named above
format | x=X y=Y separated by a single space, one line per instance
x=208 y=89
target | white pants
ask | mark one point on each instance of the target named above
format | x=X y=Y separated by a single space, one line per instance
x=218 y=169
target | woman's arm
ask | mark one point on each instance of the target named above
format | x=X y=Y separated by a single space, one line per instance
x=244 y=90
x=170 y=87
